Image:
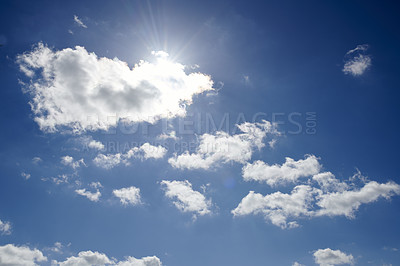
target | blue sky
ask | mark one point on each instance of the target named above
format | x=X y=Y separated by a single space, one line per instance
x=199 y=133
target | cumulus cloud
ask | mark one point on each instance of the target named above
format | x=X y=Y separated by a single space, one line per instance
x=74 y=89
x=289 y=172
x=347 y=202
x=146 y=151
x=323 y=195
x=278 y=207
x=20 y=255
x=128 y=195
x=92 y=196
x=357 y=61
x=89 y=258
x=185 y=198
x=97 y=145
x=224 y=148
x=70 y=161
x=79 y=22
x=5 y=228
x=329 y=257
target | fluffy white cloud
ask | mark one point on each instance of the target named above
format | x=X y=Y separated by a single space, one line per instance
x=74 y=89
x=97 y=145
x=145 y=261
x=128 y=195
x=5 y=228
x=187 y=199
x=20 y=256
x=275 y=174
x=278 y=207
x=146 y=151
x=79 y=22
x=329 y=257
x=89 y=258
x=70 y=161
x=92 y=196
x=224 y=148
x=347 y=202
x=328 y=182
x=357 y=61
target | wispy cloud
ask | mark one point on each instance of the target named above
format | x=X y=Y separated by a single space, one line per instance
x=357 y=61
x=79 y=22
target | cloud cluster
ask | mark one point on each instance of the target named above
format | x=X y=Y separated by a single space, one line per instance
x=128 y=195
x=146 y=151
x=329 y=257
x=357 y=62
x=20 y=255
x=321 y=195
x=75 y=89
x=185 y=198
x=70 y=161
x=5 y=228
x=223 y=148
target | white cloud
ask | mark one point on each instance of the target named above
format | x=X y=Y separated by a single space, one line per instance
x=5 y=228
x=347 y=202
x=329 y=257
x=146 y=151
x=97 y=145
x=36 y=160
x=69 y=161
x=224 y=148
x=145 y=261
x=275 y=174
x=187 y=199
x=297 y=264
x=92 y=196
x=79 y=22
x=26 y=175
x=169 y=135
x=96 y=185
x=308 y=201
x=74 y=89
x=357 y=61
x=129 y=195
x=87 y=258
x=278 y=207
x=328 y=182
x=20 y=256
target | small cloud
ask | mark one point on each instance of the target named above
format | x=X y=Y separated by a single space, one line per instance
x=25 y=175
x=5 y=228
x=71 y=32
x=69 y=161
x=36 y=160
x=357 y=62
x=79 y=22
x=128 y=195
x=92 y=196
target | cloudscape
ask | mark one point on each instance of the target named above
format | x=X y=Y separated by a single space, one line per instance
x=193 y=133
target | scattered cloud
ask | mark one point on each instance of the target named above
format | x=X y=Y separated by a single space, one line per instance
x=297 y=264
x=146 y=151
x=92 y=196
x=223 y=148
x=20 y=255
x=79 y=22
x=128 y=195
x=73 y=89
x=186 y=199
x=357 y=62
x=5 y=228
x=97 y=145
x=329 y=257
x=289 y=172
x=25 y=175
x=36 y=160
x=69 y=161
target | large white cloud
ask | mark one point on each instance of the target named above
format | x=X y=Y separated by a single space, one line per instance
x=75 y=89
x=329 y=257
x=357 y=62
x=275 y=174
x=128 y=195
x=224 y=148
x=20 y=255
x=324 y=195
x=5 y=227
x=185 y=198
x=146 y=151
x=278 y=207
x=347 y=202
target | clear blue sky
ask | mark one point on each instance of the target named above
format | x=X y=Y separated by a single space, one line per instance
x=282 y=61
